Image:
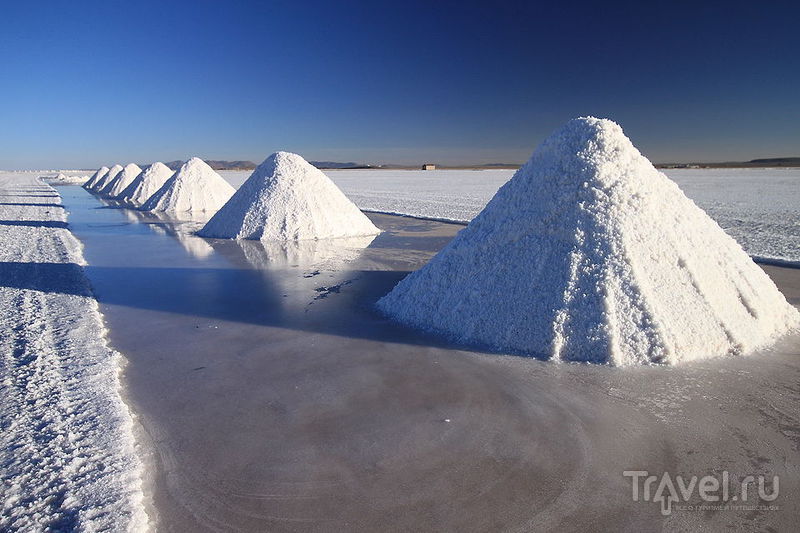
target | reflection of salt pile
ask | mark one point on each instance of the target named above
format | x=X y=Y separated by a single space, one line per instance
x=193 y=188
x=102 y=171
x=193 y=244
x=145 y=185
x=331 y=254
x=184 y=232
x=114 y=187
x=287 y=199
x=104 y=180
x=590 y=254
x=307 y=269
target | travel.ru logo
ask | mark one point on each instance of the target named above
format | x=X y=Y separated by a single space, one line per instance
x=717 y=491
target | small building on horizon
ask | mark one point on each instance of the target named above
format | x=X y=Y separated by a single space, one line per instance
x=428 y=166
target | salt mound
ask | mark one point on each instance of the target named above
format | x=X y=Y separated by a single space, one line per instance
x=195 y=187
x=287 y=199
x=114 y=187
x=102 y=171
x=591 y=254
x=145 y=184
x=101 y=182
x=63 y=179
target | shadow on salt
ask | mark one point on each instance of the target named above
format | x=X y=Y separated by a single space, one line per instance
x=303 y=272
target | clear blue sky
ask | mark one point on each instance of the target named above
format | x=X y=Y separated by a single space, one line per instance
x=90 y=83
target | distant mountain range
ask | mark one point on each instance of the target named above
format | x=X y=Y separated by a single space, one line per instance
x=249 y=165
x=218 y=165
x=334 y=164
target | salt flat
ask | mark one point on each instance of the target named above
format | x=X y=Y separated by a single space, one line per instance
x=758 y=207
x=274 y=397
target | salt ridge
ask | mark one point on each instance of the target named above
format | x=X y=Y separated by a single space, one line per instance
x=67 y=447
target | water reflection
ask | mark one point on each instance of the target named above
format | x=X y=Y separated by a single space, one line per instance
x=303 y=272
x=181 y=229
x=328 y=254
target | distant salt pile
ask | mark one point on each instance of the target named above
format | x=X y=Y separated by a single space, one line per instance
x=102 y=181
x=193 y=188
x=102 y=171
x=114 y=187
x=63 y=179
x=287 y=199
x=145 y=185
x=590 y=254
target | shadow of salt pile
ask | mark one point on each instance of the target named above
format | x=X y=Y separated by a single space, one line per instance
x=35 y=223
x=273 y=298
x=19 y=204
x=62 y=278
x=303 y=271
x=329 y=254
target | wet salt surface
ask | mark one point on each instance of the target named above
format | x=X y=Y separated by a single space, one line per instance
x=267 y=407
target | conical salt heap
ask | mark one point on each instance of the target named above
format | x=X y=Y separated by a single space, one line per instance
x=114 y=187
x=145 y=184
x=195 y=187
x=591 y=254
x=104 y=180
x=287 y=199
x=102 y=171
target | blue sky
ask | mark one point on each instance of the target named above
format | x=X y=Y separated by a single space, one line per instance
x=90 y=83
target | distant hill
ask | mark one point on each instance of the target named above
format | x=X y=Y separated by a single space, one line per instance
x=249 y=165
x=753 y=163
x=778 y=162
x=334 y=164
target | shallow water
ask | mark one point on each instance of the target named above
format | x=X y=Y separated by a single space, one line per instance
x=274 y=397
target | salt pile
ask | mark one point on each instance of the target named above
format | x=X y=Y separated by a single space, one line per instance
x=102 y=171
x=591 y=254
x=63 y=179
x=195 y=187
x=113 y=188
x=145 y=184
x=287 y=199
x=101 y=182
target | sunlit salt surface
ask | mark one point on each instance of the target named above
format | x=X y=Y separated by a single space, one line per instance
x=760 y=208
